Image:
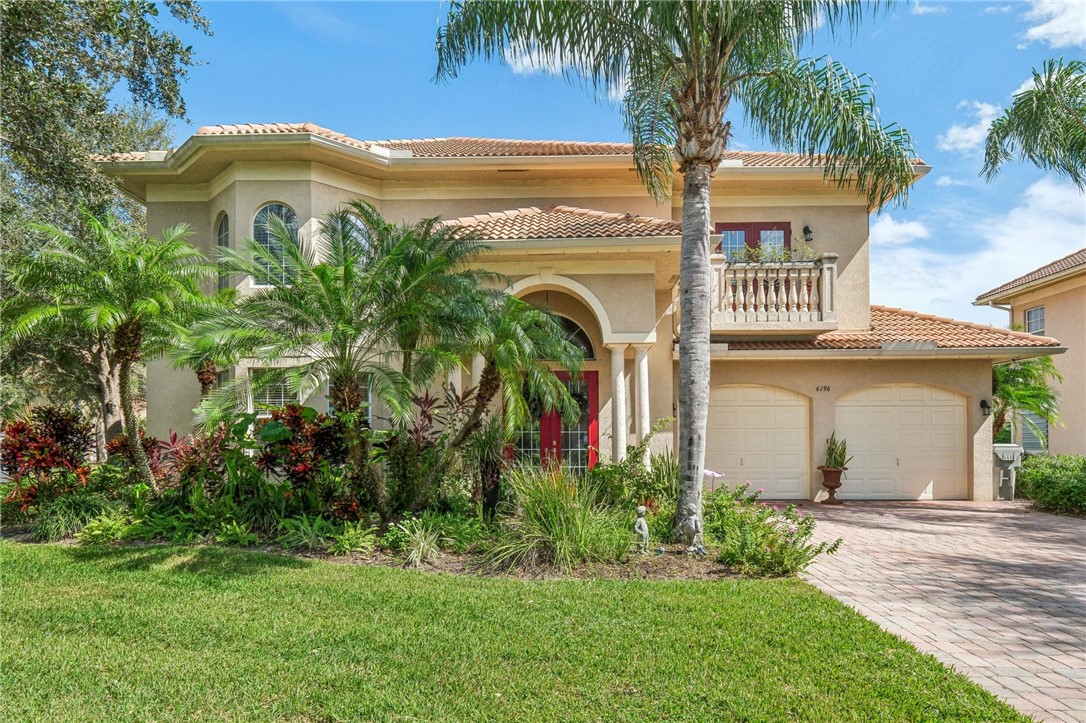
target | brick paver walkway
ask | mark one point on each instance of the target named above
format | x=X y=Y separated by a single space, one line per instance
x=992 y=589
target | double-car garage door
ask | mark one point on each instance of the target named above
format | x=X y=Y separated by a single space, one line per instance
x=907 y=441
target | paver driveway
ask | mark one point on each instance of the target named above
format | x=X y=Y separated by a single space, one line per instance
x=992 y=589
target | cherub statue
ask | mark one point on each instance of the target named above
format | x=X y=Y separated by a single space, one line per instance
x=691 y=529
x=641 y=528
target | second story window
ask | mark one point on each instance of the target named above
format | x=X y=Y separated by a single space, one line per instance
x=262 y=232
x=270 y=391
x=766 y=239
x=1035 y=320
x=222 y=240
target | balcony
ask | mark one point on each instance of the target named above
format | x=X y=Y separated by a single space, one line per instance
x=775 y=298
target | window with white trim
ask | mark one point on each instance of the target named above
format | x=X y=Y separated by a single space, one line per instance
x=222 y=241
x=262 y=231
x=1035 y=320
x=269 y=390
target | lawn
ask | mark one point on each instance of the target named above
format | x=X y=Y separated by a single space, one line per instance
x=206 y=633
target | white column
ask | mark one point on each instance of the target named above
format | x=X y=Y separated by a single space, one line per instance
x=618 y=401
x=641 y=375
x=476 y=369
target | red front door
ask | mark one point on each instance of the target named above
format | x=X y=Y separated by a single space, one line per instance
x=549 y=438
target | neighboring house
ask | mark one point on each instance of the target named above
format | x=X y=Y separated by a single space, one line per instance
x=1051 y=301
x=798 y=353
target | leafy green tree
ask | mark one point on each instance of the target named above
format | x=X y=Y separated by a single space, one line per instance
x=1021 y=387
x=1045 y=125
x=684 y=63
x=63 y=60
x=127 y=291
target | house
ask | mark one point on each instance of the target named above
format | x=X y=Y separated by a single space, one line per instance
x=798 y=350
x=1051 y=301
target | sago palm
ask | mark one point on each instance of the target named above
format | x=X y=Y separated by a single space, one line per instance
x=1046 y=124
x=130 y=290
x=684 y=63
x=1022 y=388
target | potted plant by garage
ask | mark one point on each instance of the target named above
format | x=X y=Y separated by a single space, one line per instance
x=837 y=460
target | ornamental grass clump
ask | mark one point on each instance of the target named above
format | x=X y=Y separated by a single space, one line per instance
x=556 y=519
x=760 y=540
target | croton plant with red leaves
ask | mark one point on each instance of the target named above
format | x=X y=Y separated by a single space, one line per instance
x=51 y=439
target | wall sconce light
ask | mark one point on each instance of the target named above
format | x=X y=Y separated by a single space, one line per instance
x=985 y=408
x=808 y=235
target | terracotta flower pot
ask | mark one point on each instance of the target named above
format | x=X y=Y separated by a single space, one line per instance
x=831 y=480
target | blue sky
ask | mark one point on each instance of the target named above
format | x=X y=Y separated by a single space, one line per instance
x=942 y=70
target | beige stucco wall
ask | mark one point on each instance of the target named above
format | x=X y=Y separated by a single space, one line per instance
x=842 y=230
x=969 y=378
x=1065 y=319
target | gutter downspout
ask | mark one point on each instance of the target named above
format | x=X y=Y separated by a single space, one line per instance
x=1010 y=314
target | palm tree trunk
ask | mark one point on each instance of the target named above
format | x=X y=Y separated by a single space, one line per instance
x=490 y=383
x=347 y=398
x=206 y=375
x=132 y=428
x=694 y=337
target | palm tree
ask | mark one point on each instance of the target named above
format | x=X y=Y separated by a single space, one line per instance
x=1021 y=389
x=684 y=63
x=127 y=291
x=1046 y=124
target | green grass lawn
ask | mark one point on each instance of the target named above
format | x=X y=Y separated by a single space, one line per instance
x=205 y=633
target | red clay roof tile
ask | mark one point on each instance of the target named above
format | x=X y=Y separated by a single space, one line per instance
x=1071 y=261
x=564 y=222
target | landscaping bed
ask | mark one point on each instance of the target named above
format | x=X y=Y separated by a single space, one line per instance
x=210 y=633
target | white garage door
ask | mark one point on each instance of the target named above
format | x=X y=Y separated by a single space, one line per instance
x=908 y=442
x=760 y=435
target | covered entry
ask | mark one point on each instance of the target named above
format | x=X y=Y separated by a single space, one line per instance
x=908 y=442
x=759 y=434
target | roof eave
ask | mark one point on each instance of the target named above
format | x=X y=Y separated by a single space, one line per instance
x=1002 y=297
x=996 y=354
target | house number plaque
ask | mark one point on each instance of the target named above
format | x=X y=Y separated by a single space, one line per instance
x=822 y=388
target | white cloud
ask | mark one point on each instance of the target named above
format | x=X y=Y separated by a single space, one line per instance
x=1026 y=85
x=532 y=61
x=998 y=9
x=1059 y=23
x=319 y=22
x=1047 y=222
x=946 y=181
x=916 y=8
x=968 y=138
x=885 y=231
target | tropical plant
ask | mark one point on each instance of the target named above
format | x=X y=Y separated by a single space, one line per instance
x=556 y=519
x=310 y=532
x=50 y=439
x=421 y=541
x=637 y=479
x=105 y=528
x=129 y=290
x=837 y=456
x=233 y=532
x=354 y=538
x=1020 y=389
x=683 y=63
x=67 y=514
x=1045 y=125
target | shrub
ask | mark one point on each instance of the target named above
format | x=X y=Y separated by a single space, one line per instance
x=310 y=532
x=354 y=538
x=1056 y=483
x=420 y=541
x=105 y=528
x=556 y=519
x=456 y=532
x=177 y=527
x=633 y=482
x=51 y=439
x=66 y=515
x=661 y=519
x=760 y=540
x=233 y=532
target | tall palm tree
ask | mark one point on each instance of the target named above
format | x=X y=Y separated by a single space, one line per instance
x=684 y=62
x=1046 y=124
x=128 y=291
x=1021 y=389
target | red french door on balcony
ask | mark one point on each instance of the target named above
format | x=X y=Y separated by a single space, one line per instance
x=548 y=438
x=734 y=236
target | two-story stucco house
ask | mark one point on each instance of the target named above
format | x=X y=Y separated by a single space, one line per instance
x=1051 y=301
x=799 y=351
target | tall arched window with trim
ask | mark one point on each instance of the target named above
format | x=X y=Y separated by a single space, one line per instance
x=222 y=241
x=263 y=235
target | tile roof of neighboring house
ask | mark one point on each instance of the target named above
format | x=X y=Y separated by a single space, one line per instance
x=1073 y=260
x=113 y=157
x=462 y=147
x=565 y=222
x=899 y=327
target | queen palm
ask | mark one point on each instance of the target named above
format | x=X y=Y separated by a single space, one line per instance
x=1021 y=389
x=684 y=62
x=129 y=291
x=1046 y=124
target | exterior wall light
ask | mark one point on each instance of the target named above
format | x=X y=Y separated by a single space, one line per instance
x=985 y=408
x=808 y=234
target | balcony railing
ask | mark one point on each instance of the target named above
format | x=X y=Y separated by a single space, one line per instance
x=779 y=298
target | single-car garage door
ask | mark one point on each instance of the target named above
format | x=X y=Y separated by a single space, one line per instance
x=907 y=442
x=759 y=434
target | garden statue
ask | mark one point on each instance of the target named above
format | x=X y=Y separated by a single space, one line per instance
x=641 y=528
x=691 y=530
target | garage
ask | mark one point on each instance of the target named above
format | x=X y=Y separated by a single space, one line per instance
x=759 y=434
x=907 y=441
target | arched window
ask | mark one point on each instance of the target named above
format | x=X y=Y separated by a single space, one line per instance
x=578 y=336
x=222 y=240
x=262 y=232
